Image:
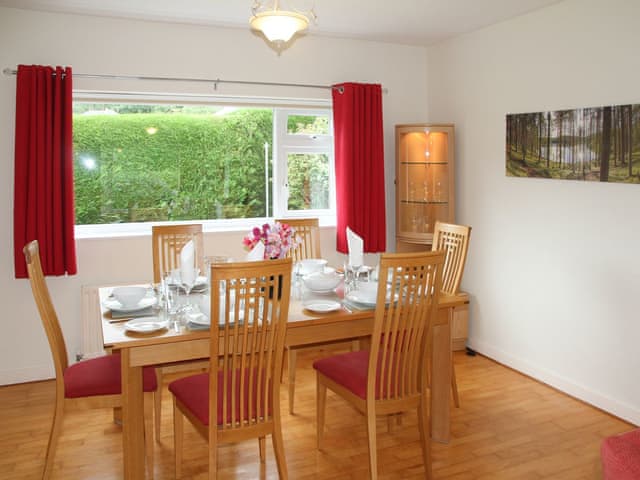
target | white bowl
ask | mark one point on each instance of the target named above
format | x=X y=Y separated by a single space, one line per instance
x=129 y=296
x=321 y=281
x=311 y=265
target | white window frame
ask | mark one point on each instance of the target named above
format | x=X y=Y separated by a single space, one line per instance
x=285 y=144
x=282 y=107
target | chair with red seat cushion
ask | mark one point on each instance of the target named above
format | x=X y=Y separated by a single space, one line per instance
x=391 y=377
x=167 y=241
x=308 y=235
x=454 y=241
x=620 y=456
x=243 y=400
x=93 y=383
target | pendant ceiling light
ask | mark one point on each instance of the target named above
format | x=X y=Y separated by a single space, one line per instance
x=278 y=26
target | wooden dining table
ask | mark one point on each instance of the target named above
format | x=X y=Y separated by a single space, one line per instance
x=304 y=328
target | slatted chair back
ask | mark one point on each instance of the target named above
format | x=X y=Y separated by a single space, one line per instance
x=46 y=309
x=85 y=384
x=308 y=231
x=167 y=242
x=454 y=241
x=252 y=308
x=401 y=338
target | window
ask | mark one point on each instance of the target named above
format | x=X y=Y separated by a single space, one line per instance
x=153 y=162
x=304 y=145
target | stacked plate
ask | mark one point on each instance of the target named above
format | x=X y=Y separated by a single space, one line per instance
x=366 y=295
x=115 y=306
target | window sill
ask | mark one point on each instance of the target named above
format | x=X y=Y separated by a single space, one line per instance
x=124 y=230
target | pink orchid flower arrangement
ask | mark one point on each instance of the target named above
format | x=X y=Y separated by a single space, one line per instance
x=278 y=239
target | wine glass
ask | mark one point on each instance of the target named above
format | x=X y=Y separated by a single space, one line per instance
x=188 y=277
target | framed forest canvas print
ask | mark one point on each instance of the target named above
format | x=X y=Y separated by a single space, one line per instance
x=599 y=144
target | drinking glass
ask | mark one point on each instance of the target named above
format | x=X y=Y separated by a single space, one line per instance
x=352 y=275
x=211 y=260
x=171 y=302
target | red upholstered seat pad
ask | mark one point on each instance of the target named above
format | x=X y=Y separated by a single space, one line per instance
x=101 y=376
x=350 y=371
x=193 y=392
x=621 y=456
x=347 y=369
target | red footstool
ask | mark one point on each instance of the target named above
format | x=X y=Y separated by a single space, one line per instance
x=621 y=456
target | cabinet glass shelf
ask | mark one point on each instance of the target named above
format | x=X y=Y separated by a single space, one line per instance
x=425 y=202
x=423 y=163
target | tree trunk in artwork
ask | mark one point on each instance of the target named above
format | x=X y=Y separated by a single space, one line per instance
x=573 y=143
x=605 y=151
x=614 y=134
x=561 y=139
x=548 y=138
x=523 y=138
x=540 y=121
x=630 y=138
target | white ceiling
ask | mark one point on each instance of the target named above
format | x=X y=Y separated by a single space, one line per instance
x=414 y=22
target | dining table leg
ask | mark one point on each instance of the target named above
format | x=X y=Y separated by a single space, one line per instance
x=132 y=418
x=441 y=378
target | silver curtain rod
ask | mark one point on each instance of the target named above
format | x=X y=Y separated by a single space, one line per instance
x=216 y=82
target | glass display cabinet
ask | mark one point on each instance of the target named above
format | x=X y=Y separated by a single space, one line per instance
x=424 y=183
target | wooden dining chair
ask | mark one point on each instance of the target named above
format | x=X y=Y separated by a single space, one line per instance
x=239 y=398
x=93 y=383
x=391 y=377
x=454 y=241
x=308 y=234
x=167 y=242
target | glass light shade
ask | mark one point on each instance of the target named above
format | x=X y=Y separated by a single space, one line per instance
x=279 y=25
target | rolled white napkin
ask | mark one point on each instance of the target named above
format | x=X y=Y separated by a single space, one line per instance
x=188 y=271
x=257 y=253
x=355 y=244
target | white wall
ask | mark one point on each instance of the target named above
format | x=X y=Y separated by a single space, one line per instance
x=553 y=267
x=113 y=46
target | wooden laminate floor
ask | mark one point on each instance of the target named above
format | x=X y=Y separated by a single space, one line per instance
x=508 y=427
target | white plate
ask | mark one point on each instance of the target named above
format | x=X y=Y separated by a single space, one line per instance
x=362 y=299
x=331 y=290
x=115 y=306
x=145 y=325
x=322 y=306
x=200 y=319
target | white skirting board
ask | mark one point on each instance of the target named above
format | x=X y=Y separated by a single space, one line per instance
x=624 y=411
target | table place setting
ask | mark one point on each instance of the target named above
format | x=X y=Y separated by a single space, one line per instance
x=123 y=302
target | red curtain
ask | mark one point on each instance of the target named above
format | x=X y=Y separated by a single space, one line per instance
x=43 y=207
x=359 y=160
